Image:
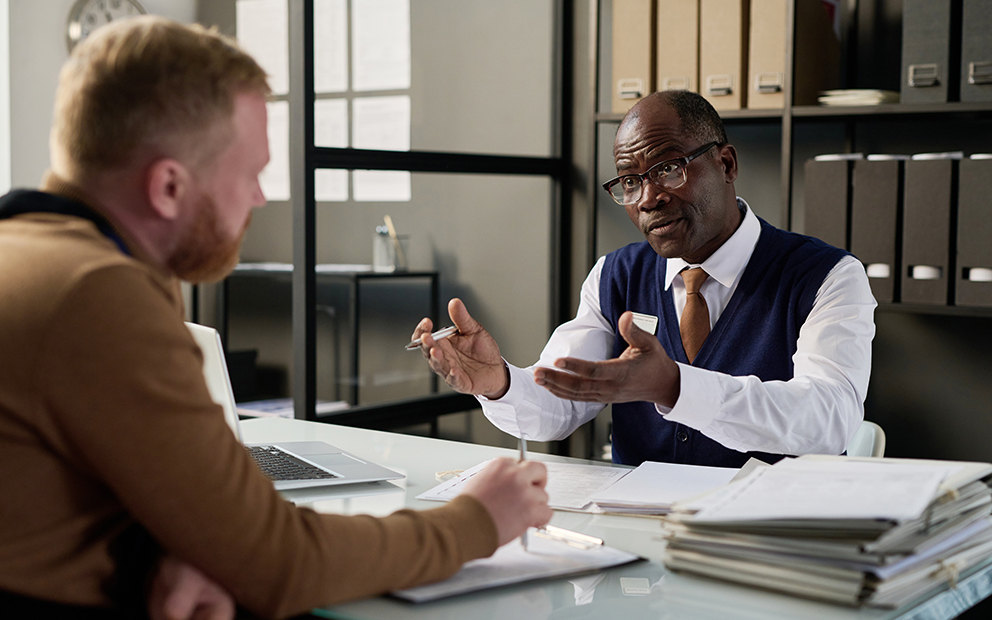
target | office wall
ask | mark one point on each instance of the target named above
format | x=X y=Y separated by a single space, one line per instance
x=481 y=82
x=37 y=51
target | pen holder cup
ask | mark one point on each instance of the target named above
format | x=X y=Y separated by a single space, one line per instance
x=385 y=258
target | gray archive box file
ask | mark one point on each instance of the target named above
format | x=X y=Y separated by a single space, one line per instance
x=928 y=209
x=826 y=199
x=974 y=247
x=976 y=50
x=931 y=51
x=876 y=219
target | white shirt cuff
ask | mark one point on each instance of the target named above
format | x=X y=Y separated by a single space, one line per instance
x=507 y=412
x=699 y=398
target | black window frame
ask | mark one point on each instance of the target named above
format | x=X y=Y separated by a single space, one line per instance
x=305 y=158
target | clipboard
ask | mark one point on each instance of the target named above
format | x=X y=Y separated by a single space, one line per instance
x=550 y=557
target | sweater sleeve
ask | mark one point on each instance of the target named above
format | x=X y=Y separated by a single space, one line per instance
x=133 y=413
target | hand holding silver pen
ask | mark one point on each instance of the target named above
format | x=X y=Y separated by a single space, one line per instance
x=440 y=334
x=465 y=355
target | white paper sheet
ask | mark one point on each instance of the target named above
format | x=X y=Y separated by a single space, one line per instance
x=798 y=489
x=512 y=564
x=275 y=177
x=263 y=32
x=380 y=32
x=570 y=485
x=659 y=485
x=330 y=46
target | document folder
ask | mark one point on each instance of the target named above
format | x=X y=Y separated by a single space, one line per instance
x=826 y=201
x=976 y=50
x=974 y=246
x=817 y=60
x=928 y=209
x=876 y=223
x=931 y=51
x=677 y=57
x=817 y=53
x=723 y=43
x=766 y=56
x=633 y=52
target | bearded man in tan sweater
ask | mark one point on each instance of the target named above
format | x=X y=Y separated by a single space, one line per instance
x=114 y=455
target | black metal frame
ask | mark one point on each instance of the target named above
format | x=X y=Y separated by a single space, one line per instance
x=305 y=157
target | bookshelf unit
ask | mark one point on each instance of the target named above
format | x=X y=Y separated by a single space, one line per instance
x=927 y=390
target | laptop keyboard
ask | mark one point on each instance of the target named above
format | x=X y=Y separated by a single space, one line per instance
x=278 y=465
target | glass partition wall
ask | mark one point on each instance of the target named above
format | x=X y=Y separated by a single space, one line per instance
x=443 y=115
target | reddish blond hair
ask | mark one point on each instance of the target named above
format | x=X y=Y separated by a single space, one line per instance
x=149 y=87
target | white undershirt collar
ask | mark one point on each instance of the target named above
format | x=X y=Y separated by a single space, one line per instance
x=727 y=263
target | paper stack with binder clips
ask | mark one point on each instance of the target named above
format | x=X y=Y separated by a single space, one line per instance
x=852 y=531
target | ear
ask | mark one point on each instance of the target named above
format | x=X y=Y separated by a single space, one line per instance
x=167 y=184
x=728 y=158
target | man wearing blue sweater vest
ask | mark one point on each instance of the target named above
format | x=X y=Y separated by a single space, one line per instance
x=718 y=338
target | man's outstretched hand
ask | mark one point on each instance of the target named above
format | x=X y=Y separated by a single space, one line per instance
x=469 y=362
x=643 y=372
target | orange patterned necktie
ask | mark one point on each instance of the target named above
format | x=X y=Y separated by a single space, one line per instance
x=695 y=323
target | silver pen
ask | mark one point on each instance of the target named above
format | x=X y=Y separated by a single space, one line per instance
x=440 y=334
x=570 y=538
x=523 y=457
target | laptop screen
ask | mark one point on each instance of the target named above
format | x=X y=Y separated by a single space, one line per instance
x=215 y=373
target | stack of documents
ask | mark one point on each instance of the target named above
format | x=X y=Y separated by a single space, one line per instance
x=852 y=531
x=653 y=488
x=866 y=96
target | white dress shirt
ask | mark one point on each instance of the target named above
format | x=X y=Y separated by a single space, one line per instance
x=817 y=411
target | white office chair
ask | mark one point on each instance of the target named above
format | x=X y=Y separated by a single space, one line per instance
x=868 y=441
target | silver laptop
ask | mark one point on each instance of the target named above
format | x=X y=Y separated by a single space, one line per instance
x=290 y=465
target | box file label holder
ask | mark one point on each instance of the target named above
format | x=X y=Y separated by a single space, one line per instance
x=675 y=83
x=980 y=72
x=768 y=83
x=719 y=85
x=924 y=75
x=630 y=88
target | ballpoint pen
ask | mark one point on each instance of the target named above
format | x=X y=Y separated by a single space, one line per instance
x=440 y=334
x=523 y=457
x=570 y=538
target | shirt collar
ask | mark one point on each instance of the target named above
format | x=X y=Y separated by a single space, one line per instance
x=726 y=264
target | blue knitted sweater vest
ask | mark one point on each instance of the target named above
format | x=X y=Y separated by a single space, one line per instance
x=756 y=335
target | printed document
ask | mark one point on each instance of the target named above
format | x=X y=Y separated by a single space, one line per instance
x=570 y=485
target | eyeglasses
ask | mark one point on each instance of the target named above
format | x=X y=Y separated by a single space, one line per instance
x=670 y=174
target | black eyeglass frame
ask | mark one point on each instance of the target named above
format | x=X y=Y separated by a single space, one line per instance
x=683 y=161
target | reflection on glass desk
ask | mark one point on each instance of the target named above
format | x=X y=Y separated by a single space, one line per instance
x=637 y=591
x=364 y=319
